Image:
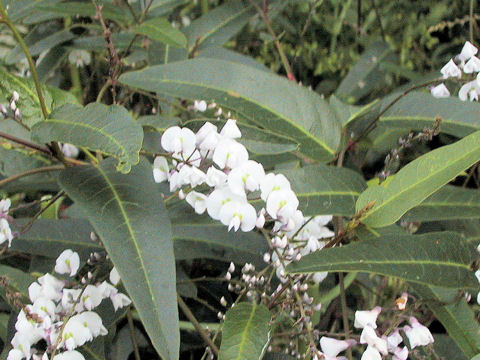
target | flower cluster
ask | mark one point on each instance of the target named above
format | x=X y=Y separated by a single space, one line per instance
x=417 y=334
x=15 y=111
x=218 y=160
x=5 y=231
x=465 y=63
x=62 y=316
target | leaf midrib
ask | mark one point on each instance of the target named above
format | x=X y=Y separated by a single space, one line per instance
x=244 y=333
x=134 y=240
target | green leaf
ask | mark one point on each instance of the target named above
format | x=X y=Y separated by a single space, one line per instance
x=4 y=326
x=448 y=203
x=50 y=237
x=455 y=315
x=213 y=241
x=441 y=259
x=17 y=280
x=418 y=110
x=246 y=332
x=418 y=180
x=476 y=357
x=218 y=25
x=217 y=52
x=365 y=75
x=108 y=129
x=326 y=190
x=266 y=100
x=87 y=9
x=128 y=214
x=97 y=43
x=28 y=102
x=161 y=30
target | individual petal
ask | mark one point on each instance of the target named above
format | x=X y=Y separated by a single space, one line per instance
x=5 y=232
x=440 y=91
x=5 y=205
x=451 y=70
x=67 y=263
x=215 y=177
x=206 y=129
x=238 y=214
x=114 y=276
x=15 y=354
x=70 y=151
x=93 y=322
x=229 y=154
x=332 y=347
x=21 y=342
x=198 y=201
x=472 y=65
x=282 y=205
x=69 y=355
x=318 y=277
x=120 y=300
x=91 y=297
x=469 y=90
x=371 y=354
x=197 y=177
x=393 y=340
x=231 y=130
x=367 y=317
x=400 y=353
x=468 y=51
x=76 y=333
x=160 y=169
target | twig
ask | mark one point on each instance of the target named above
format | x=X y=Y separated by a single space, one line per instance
x=379 y=19
x=28 y=225
x=26 y=143
x=131 y=327
x=145 y=11
x=278 y=44
x=31 y=172
x=131 y=12
x=472 y=19
x=188 y=313
x=113 y=59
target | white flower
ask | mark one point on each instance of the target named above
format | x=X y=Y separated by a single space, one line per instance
x=178 y=140
x=93 y=322
x=204 y=132
x=238 y=214
x=114 y=276
x=15 y=354
x=69 y=355
x=70 y=151
x=215 y=177
x=472 y=65
x=318 y=277
x=272 y=182
x=282 y=205
x=418 y=335
x=70 y=297
x=79 y=58
x=198 y=201
x=468 y=51
x=400 y=353
x=43 y=307
x=5 y=205
x=260 y=219
x=469 y=90
x=20 y=342
x=451 y=70
x=197 y=177
x=5 y=232
x=76 y=333
x=371 y=354
x=367 y=317
x=393 y=340
x=231 y=130
x=440 y=91
x=67 y=262
x=247 y=176
x=120 y=300
x=218 y=198
x=160 y=169
x=332 y=347
x=229 y=154
x=48 y=286
x=91 y=297
x=199 y=105
x=369 y=336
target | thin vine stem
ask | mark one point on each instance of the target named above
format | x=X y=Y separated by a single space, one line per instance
x=31 y=172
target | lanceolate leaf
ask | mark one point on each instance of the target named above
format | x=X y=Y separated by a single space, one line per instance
x=416 y=181
x=267 y=100
x=128 y=214
x=161 y=30
x=448 y=203
x=108 y=129
x=218 y=25
x=455 y=315
x=246 y=332
x=325 y=189
x=441 y=259
x=418 y=109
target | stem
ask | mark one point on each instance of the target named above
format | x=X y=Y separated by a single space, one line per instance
x=145 y=11
x=102 y=90
x=26 y=143
x=188 y=313
x=278 y=44
x=343 y=301
x=132 y=334
x=472 y=19
x=133 y=15
x=28 y=225
x=31 y=172
x=204 y=6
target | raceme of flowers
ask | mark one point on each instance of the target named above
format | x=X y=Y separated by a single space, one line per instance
x=62 y=316
x=464 y=63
